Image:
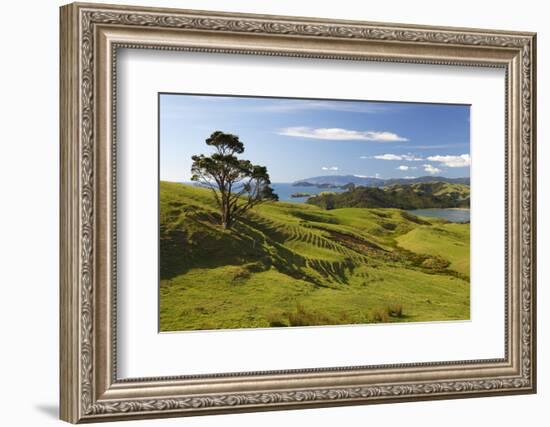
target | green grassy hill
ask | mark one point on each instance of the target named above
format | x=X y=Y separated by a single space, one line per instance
x=403 y=196
x=291 y=264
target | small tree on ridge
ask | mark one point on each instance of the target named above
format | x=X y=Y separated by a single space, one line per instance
x=237 y=184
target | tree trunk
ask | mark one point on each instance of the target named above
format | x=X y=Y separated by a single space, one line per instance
x=226 y=215
x=226 y=224
x=226 y=221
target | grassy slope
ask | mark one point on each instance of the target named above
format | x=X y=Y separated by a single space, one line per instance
x=296 y=264
x=455 y=246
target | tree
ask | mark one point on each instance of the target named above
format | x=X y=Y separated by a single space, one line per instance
x=237 y=184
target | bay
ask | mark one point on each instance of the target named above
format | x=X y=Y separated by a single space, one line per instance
x=453 y=215
x=285 y=190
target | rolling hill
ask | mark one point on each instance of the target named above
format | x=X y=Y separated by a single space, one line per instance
x=411 y=196
x=292 y=264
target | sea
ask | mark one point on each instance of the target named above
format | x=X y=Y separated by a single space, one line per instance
x=453 y=215
x=285 y=190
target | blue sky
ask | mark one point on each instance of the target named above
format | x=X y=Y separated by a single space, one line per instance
x=302 y=138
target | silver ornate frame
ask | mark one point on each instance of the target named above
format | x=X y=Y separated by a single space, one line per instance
x=90 y=36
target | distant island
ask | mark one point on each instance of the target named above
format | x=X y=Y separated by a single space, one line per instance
x=315 y=184
x=420 y=195
x=299 y=195
x=343 y=181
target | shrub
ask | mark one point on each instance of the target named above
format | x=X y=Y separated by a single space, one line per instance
x=435 y=263
x=275 y=321
x=380 y=315
x=413 y=218
x=302 y=317
x=395 y=310
x=381 y=214
x=384 y=314
x=389 y=226
x=237 y=273
x=254 y=267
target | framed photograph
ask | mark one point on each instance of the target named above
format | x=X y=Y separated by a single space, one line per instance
x=266 y=212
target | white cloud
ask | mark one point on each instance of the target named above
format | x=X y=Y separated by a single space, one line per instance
x=452 y=161
x=409 y=177
x=218 y=104
x=434 y=146
x=431 y=169
x=406 y=168
x=377 y=175
x=385 y=157
x=401 y=157
x=330 y=168
x=339 y=134
x=412 y=158
x=305 y=105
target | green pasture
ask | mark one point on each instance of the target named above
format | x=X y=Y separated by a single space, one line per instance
x=291 y=264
